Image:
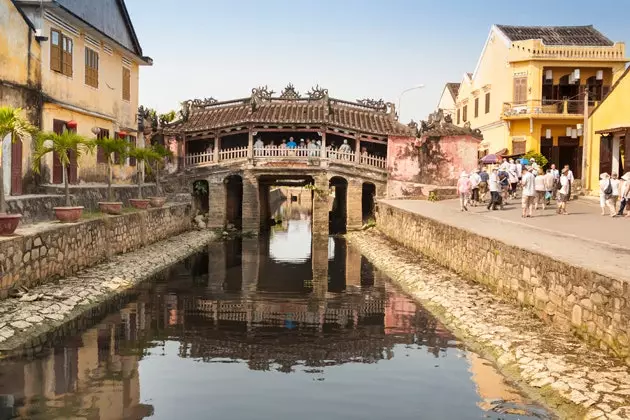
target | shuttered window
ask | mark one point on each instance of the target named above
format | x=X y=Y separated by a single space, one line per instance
x=465 y=113
x=520 y=90
x=518 y=147
x=487 y=102
x=91 y=68
x=459 y=119
x=126 y=84
x=61 y=49
x=476 y=107
x=100 y=153
x=132 y=143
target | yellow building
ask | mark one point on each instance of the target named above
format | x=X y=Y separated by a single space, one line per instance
x=608 y=144
x=85 y=69
x=527 y=90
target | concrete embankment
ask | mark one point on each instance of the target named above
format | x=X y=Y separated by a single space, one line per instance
x=42 y=252
x=29 y=322
x=555 y=366
x=569 y=291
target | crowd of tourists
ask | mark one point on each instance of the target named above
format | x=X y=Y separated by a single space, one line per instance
x=287 y=148
x=537 y=187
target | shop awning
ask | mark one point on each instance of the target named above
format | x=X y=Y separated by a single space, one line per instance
x=613 y=130
x=502 y=152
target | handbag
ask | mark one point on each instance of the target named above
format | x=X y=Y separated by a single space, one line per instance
x=547 y=195
x=608 y=190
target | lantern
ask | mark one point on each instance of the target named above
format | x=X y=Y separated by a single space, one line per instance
x=122 y=134
x=96 y=131
x=71 y=124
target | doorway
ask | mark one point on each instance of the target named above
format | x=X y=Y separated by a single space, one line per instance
x=570 y=153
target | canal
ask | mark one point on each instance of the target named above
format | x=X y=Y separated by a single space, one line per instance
x=276 y=327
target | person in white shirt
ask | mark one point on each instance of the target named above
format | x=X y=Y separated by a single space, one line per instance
x=624 y=194
x=608 y=193
x=495 y=188
x=529 y=193
x=475 y=180
x=258 y=146
x=563 y=192
x=504 y=165
x=570 y=178
x=519 y=169
x=541 y=190
x=534 y=166
x=549 y=186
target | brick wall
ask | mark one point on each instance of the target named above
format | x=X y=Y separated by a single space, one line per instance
x=594 y=306
x=60 y=250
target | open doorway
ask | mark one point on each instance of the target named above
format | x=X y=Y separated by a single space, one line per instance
x=234 y=201
x=338 y=213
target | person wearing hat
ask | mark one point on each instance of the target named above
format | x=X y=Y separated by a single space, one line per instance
x=563 y=192
x=624 y=194
x=606 y=190
x=463 y=190
x=475 y=180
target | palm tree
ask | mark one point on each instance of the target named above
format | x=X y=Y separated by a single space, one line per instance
x=161 y=153
x=112 y=149
x=11 y=122
x=61 y=144
x=144 y=155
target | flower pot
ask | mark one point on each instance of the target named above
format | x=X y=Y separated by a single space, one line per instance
x=68 y=214
x=110 y=207
x=157 y=201
x=8 y=223
x=139 y=203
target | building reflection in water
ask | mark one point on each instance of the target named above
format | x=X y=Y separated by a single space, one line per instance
x=265 y=302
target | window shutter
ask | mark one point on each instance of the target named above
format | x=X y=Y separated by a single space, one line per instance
x=459 y=120
x=520 y=89
x=126 y=84
x=476 y=107
x=465 y=112
x=487 y=102
x=91 y=68
x=66 y=58
x=55 y=50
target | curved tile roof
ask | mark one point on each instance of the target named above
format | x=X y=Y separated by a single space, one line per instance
x=557 y=35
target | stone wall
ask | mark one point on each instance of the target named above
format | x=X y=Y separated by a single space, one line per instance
x=34 y=208
x=88 y=196
x=59 y=250
x=594 y=306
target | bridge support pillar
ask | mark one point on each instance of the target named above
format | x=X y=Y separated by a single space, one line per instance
x=319 y=259
x=251 y=203
x=354 y=212
x=319 y=226
x=217 y=197
x=250 y=265
x=353 y=267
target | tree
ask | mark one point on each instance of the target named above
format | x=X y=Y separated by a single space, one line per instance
x=63 y=145
x=11 y=123
x=161 y=153
x=540 y=159
x=145 y=156
x=112 y=148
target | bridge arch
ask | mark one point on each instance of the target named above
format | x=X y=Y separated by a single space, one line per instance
x=234 y=200
x=339 y=208
x=368 y=194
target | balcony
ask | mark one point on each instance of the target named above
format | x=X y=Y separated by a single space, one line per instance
x=536 y=50
x=279 y=155
x=569 y=109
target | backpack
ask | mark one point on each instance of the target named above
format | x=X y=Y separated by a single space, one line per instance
x=609 y=189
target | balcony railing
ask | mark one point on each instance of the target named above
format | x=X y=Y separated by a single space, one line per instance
x=282 y=153
x=545 y=107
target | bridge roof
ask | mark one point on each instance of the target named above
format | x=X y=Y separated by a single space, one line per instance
x=290 y=108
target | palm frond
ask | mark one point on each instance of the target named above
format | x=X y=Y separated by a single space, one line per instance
x=12 y=122
x=61 y=144
x=142 y=154
x=113 y=146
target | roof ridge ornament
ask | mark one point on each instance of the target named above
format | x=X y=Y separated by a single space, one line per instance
x=317 y=93
x=195 y=104
x=379 y=104
x=290 y=93
x=259 y=95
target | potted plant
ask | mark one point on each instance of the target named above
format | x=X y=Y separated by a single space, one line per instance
x=11 y=123
x=160 y=153
x=63 y=145
x=142 y=155
x=112 y=148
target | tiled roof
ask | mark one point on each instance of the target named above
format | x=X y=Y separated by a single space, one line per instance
x=557 y=35
x=453 y=88
x=330 y=112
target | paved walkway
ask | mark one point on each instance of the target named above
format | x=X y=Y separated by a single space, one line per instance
x=583 y=238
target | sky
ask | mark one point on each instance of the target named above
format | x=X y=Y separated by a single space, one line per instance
x=356 y=49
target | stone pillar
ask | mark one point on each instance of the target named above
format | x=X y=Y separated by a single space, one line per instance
x=319 y=260
x=354 y=215
x=319 y=219
x=217 y=147
x=323 y=151
x=250 y=144
x=217 y=196
x=251 y=204
x=263 y=199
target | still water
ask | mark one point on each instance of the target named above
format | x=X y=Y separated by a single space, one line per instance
x=277 y=327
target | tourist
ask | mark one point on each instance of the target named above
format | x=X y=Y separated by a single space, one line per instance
x=519 y=170
x=534 y=166
x=529 y=193
x=291 y=144
x=483 y=185
x=549 y=186
x=504 y=183
x=556 y=180
x=332 y=150
x=513 y=180
x=258 y=146
x=463 y=190
x=495 y=190
x=504 y=165
x=475 y=180
x=313 y=149
x=345 y=150
x=563 y=192
x=605 y=194
x=541 y=191
x=624 y=192
x=616 y=184
x=570 y=179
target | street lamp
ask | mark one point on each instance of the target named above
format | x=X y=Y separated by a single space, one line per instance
x=419 y=86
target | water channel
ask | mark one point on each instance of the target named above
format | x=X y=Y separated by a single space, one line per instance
x=276 y=327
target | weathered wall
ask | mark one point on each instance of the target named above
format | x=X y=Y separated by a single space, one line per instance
x=89 y=196
x=34 y=208
x=596 y=307
x=63 y=249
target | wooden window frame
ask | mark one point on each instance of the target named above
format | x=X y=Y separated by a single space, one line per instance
x=487 y=104
x=459 y=120
x=55 y=51
x=126 y=83
x=465 y=113
x=91 y=67
x=62 y=53
x=100 y=154
x=520 y=90
x=476 y=107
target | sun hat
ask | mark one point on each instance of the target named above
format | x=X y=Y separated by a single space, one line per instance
x=626 y=176
x=463 y=174
x=604 y=176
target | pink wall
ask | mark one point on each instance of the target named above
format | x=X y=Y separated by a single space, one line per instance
x=462 y=154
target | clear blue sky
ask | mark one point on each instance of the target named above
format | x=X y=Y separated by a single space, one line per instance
x=354 y=48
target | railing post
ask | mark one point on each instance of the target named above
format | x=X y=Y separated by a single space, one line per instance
x=357 y=152
x=217 y=147
x=565 y=107
x=323 y=151
x=250 y=144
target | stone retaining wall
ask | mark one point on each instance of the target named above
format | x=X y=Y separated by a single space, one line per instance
x=59 y=250
x=89 y=195
x=595 y=306
x=34 y=208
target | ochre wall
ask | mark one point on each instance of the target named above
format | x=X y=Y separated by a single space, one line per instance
x=15 y=51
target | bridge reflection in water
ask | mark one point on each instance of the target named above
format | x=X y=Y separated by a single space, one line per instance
x=242 y=307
